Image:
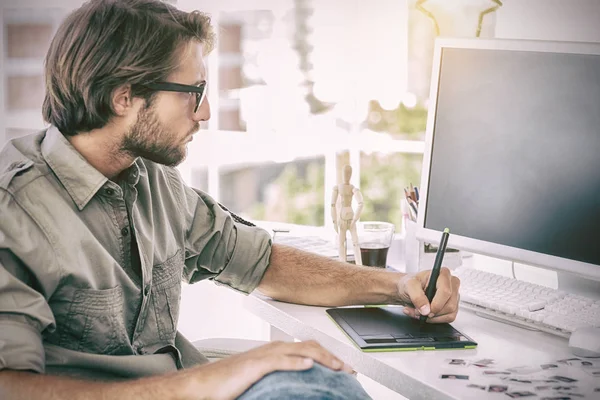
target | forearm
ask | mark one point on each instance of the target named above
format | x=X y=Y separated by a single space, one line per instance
x=19 y=385
x=299 y=277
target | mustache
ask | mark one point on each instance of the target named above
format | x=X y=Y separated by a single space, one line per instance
x=194 y=129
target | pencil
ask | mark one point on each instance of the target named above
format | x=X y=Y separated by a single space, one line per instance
x=413 y=205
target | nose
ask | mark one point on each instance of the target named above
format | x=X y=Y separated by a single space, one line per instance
x=203 y=113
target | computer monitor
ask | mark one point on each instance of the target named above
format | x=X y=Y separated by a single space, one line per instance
x=512 y=153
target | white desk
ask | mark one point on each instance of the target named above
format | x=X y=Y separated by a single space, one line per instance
x=415 y=374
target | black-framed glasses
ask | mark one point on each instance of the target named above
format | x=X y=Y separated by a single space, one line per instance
x=199 y=90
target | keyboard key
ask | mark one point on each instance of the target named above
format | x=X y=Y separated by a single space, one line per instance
x=538 y=305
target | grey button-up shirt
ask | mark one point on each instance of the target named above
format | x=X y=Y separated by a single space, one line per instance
x=71 y=299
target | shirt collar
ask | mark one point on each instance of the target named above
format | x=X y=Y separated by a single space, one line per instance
x=80 y=178
x=132 y=174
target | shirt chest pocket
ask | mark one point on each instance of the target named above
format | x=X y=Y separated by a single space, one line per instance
x=166 y=295
x=94 y=322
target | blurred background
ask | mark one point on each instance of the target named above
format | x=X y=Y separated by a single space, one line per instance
x=297 y=89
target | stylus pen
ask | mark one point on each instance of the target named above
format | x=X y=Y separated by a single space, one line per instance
x=435 y=272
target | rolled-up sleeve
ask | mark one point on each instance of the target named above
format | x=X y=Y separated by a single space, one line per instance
x=24 y=309
x=218 y=248
x=249 y=260
x=21 y=347
x=28 y=277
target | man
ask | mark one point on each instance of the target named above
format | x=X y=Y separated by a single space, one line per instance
x=97 y=230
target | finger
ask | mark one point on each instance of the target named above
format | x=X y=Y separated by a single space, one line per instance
x=414 y=290
x=327 y=358
x=451 y=306
x=411 y=312
x=318 y=353
x=443 y=319
x=285 y=362
x=443 y=292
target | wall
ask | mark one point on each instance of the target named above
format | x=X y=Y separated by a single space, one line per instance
x=564 y=20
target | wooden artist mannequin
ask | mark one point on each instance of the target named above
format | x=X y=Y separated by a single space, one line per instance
x=347 y=216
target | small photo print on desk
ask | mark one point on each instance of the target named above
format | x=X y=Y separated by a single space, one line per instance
x=455 y=376
x=497 y=388
x=490 y=372
x=484 y=363
x=568 y=360
x=524 y=369
x=554 y=387
x=456 y=361
x=563 y=378
x=544 y=381
x=474 y=386
x=557 y=398
x=578 y=362
x=518 y=380
x=516 y=395
x=584 y=363
x=564 y=388
x=548 y=366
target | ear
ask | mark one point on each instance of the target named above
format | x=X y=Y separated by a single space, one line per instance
x=122 y=100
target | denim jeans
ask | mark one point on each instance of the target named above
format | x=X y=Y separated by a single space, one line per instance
x=317 y=383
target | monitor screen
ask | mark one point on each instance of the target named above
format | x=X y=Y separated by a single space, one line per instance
x=515 y=150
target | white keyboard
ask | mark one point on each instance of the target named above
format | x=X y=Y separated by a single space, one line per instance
x=526 y=304
x=313 y=244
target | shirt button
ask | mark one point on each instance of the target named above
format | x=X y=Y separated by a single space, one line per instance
x=146 y=290
x=125 y=231
x=109 y=192
x=139 y=348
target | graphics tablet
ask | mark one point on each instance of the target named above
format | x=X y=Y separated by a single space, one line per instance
x=388 y=329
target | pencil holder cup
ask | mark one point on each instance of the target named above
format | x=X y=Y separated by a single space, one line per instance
x=420 y=256
x=411 y=247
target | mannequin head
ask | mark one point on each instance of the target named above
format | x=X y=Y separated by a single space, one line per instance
x=347 y=174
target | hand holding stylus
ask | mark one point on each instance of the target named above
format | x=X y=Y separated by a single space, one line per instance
x=432 y=295
x=435 y=272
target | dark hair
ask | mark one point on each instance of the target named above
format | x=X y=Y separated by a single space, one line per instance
x=105 y=44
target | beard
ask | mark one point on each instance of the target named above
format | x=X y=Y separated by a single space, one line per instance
x=150 y=139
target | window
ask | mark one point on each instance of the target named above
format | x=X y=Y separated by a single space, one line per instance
x=300 y=88
x=24 y=39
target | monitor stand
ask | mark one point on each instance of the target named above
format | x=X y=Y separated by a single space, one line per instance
x=578 y=285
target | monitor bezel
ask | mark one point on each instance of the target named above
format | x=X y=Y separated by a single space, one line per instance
x=587 y=270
